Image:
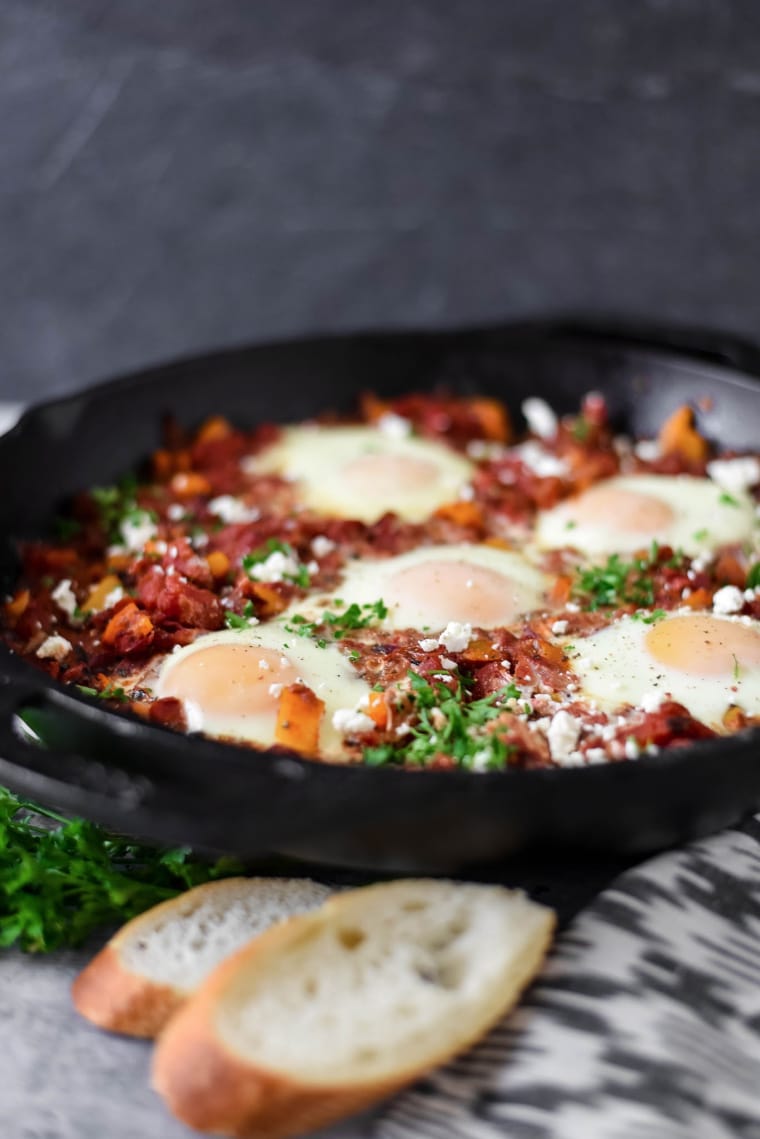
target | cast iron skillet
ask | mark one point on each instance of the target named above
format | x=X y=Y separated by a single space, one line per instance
x=156 y=784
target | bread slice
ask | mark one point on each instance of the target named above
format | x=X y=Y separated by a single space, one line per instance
x=158 y=959
x=328 y=1012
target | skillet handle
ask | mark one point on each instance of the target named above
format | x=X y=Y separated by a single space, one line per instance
x=709 y=345
x=52 y=773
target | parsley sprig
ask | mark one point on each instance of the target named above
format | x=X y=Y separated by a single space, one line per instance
x=60 y=878
x=447 y=723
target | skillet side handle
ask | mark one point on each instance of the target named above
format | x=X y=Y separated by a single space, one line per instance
x=709 y=345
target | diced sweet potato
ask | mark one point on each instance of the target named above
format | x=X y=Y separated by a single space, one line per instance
x=679 y=436
x=299 y=716
x=461 y=513
x=494 y=419
x=129 y=623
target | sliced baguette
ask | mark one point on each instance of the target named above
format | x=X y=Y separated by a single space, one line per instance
x=328 y=1012
x=158 y=959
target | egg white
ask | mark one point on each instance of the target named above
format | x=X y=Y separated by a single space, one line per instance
x=613 y=667
x=369 y=580
x=325 y=670
x=326 y=464
x=704 y=517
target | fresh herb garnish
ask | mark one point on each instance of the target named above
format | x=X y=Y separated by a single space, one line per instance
x=728 y=499
x=110 y=692
x=297 y=573
x=701 y=535
x=60 y=878
x=617 y=583
x=339 y=624
x=237 y=620
x=445 y=723
x=581 y=429
x=115 y=504
x=753 y=577
x=355 y=617
x=650 y=618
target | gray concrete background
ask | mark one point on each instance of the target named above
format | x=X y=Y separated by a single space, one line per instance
x=181 y=174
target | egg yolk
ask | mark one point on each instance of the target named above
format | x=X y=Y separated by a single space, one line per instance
x=704 y=645
x=621 y=510
x=459 y=591
x=229 y=680
x=388 y=474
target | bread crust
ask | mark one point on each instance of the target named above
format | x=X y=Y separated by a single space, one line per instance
x=111 y=997
x=211 y=1088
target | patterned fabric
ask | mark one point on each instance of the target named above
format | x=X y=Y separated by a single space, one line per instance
x=645 y=1024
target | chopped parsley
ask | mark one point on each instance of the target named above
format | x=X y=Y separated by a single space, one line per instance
x=617 y=582
x=650 y=618
x=701 y=535
x=110 y=692
x=339 y=624
x=445 y=723
x=116 y=504
x=753 y=577
x=238 y=620
x=298 y=575
x=728 y=499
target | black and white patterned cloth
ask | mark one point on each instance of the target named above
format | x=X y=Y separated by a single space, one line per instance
x=645 y=1023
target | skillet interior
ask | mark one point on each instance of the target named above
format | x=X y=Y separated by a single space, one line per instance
x=155 y=783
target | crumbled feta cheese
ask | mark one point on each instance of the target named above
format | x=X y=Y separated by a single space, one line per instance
x=275 y=689
x=54 y=648
x=559 y=628
x=275 y=568
x=264 y=665
x=199 y=540
x=175 y=512
x=750 y=594
x=572 y=607
x=64 y=597
x=648 y=450
x=429 y=644
x=540 y=461
x=113 y=597
x=651 y=701
x=231 y=509
x=446 y=663
x=632 y=749
x=735 y=474
x=540 y=418
x=700 y=563
x=596 y=755
x=348 y=720
x=456 y=636
x=729 y=599
x=563 y=735
x=480 y=760
x=466 y=493
x=137 y=529
x=485 y=449
x=321 y=546
x=394 y=426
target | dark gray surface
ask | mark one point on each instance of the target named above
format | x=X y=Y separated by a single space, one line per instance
x=180 y=174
